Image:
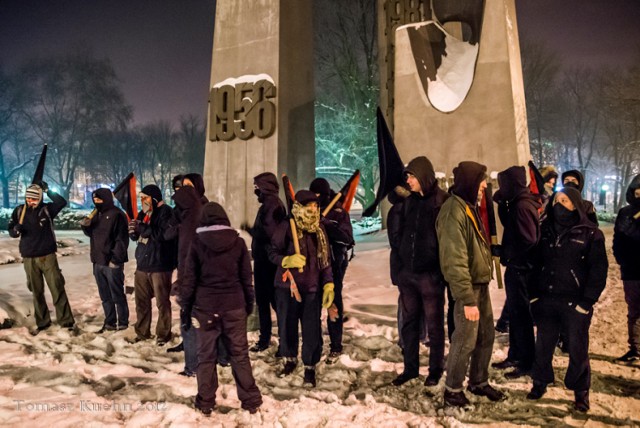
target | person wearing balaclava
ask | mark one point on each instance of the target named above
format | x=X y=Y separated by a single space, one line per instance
x=310 y=271
x=420 y=280
x=109 y=241
x=575 y=179
x=626 y=242
x=189 y=199
x=465 y=260
x=270 y=214
x=340 y=232
x=32 y=222
x=570 y=273
x=518 y=212
x=155 y=261
x=217 y=290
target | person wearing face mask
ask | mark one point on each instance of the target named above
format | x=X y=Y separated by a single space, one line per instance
x=465 y=260
x=270 y=214
x=155 y=261
x=32 y=222
x=107 y=230
x=575 y=179
x=569 y=274
x=340 y=233
x=626 y=241
x=311 y=272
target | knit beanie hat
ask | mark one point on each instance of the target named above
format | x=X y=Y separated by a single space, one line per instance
x=34 y=191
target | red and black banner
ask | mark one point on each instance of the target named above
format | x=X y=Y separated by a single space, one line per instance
x=349 y=190
x=289 y=193
x=125 y=193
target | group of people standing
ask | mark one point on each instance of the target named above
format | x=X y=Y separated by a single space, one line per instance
x=553 y=251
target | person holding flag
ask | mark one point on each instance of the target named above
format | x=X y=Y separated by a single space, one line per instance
x=32 y=222
x=303 y=283
x=337 y=224
x=107 y=229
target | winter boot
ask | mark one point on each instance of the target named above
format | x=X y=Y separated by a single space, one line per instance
x=310 y=376
x=582 y=400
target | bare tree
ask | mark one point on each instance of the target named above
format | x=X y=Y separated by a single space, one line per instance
x=68 y=102
x=191 y=139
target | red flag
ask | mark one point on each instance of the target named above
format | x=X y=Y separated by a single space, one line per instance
x=349 y=190
x=289 y=193
x=125 y=193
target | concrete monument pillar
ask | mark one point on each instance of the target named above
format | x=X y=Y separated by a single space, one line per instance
x=489 y=123
x=261 y=100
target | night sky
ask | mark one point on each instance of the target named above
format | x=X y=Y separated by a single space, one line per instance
x=161 y=49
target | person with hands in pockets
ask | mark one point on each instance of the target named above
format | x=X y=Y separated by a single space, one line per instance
x=304 y=284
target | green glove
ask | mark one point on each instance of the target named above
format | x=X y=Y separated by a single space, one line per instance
x=328 y=295
x=294 y=261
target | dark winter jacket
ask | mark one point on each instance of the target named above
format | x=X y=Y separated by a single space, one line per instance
x=590 y=209
x=312 y=278
x=394 y=230
x=217 y=275
x=465 y=257
x=37 y=237
x=154 y=252
x=570 y=262
x=108 y=232
x=340 y=232
x=518 y=212
x=417 y=241
x=626 y=235
x=189 y=202
x=270 y=214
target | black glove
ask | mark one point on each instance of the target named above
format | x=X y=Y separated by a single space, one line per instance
x=17 y=229
x=43 y=185
x=496 y=250
x=185 y=318
x=134 y=227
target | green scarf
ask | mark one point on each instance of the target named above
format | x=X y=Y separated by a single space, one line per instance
x=308 y=220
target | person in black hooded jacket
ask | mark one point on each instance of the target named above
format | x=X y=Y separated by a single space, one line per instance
x=518 y=212
x=575 y=179
x=570 y=273
x=109 y=241
x=626 y=242
x=155 y=261
x=189 y=199
x=270 y=214
x=217 y=288
x=340 y=232
x=420 y=279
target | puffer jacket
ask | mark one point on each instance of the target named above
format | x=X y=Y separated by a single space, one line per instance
x=570 y=263
x=465 y=257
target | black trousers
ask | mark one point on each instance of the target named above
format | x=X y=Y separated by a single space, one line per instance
x=339 y=268
x=292 y=313
x=264 y=273
x=555 y=315
x=231 y=327
x=422 y=297
x=521 y=338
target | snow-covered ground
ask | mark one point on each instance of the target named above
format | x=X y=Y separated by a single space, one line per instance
x=60 y=379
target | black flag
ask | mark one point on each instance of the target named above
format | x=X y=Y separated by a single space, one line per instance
x=125 y=193
x=39 y=174
x=391 y=165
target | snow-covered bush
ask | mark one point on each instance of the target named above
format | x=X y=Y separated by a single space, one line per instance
x=67 y=219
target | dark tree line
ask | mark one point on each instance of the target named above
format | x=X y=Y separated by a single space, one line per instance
x=75 y=104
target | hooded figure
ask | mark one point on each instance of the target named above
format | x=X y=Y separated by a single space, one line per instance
x=32 y=222
x=217 y=288
x=570 y=273
x=420 y=280
x=310 y=271
x=270 y=214
x=575 y=179
x=109 y=242
x=518 y=212
x=340 y=232
x=626 y=241
x=466 y=264
x=550 y=177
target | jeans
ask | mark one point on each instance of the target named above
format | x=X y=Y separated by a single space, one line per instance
x=111 y=289
x=632 y=297
x=471 y=344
